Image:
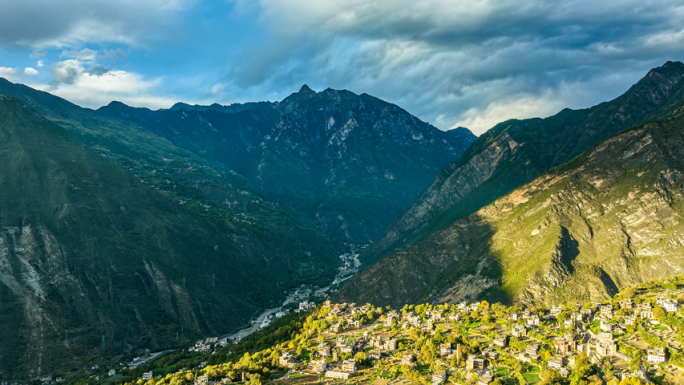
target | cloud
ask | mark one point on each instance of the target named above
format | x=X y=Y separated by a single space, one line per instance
x=84 y=54
x=114 y=54
x=98 y=86
x=48 y=23
x=454 y=62
x=38 y=52
x=40 y=64
x=8 y=73
x=30 y=71
x=67 y=71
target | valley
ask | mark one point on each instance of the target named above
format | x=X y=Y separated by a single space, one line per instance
x=217 y=244
x=347 y=269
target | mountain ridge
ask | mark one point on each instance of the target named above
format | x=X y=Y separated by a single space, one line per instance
x=515 y=151
x=608 y=219
x=303 y=150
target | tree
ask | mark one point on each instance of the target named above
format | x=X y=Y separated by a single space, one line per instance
x=583 y=371
x=255 y=379
x=550 y=377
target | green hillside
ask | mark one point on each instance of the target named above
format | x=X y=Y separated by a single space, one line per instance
x=608 y=219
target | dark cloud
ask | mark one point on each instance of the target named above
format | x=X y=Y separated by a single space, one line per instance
x=99 y=70
x=466 y=62
x=48 y=23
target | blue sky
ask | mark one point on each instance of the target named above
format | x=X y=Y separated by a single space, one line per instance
x=449 y=62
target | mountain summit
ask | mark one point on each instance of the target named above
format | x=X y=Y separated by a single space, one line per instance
x=350 y=164
x=305 y=89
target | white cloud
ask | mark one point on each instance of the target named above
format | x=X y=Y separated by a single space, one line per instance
x=30 y=71
x=8 y=73
x=38 y=52
x=114 y=54
x=67 y=71
x=40 y=64
x=94 y=89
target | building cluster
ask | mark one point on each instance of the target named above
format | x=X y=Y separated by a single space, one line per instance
x=591 y=331
x=208 y=345
x=555 y=338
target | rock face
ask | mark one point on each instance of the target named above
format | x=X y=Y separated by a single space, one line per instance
x=516 y=151
x=608 y=219
x=350 y=164
x=89 y=250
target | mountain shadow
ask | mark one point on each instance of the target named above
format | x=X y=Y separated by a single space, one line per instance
x=453 y=266
x=90 y=255
x=568 y=249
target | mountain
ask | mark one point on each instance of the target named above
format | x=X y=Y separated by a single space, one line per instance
x=610 y=218
x=516 y=151
x=349 y=164
x=154 y=227
x=93 y=253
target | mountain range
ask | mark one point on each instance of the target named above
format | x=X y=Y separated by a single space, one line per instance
x=515 y=152
x=125 y=229
x=348 y=164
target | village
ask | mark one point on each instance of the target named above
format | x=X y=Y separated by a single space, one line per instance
x=635 y=338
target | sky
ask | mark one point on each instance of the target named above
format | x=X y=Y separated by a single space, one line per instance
x=449 y=62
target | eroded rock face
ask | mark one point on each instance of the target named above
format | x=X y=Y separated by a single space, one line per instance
x=609 y=219
x=516 y=151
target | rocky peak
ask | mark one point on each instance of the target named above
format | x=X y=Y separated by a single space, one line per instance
x=306 y=90
x=669 y=68
x=116 y=106
x=658 y=83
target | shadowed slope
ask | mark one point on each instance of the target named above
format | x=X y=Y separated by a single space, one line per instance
x=88 y=249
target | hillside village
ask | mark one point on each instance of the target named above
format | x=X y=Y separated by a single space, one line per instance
x=635 y=338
